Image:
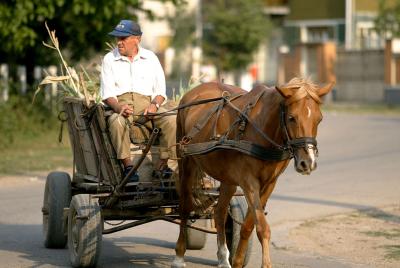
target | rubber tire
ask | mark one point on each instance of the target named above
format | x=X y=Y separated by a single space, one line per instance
x=195 y=239
x=57 y=196
x=238 y=210
x=85 y=234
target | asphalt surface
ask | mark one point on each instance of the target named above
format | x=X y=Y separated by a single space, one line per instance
x=358 y=169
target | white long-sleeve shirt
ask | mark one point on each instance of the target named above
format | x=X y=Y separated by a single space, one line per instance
x=144 y=75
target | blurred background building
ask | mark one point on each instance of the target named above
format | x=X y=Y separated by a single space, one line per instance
x=325 y=40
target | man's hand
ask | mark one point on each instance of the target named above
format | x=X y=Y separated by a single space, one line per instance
x=152 y=108
x=125 y=110
x=154 y=105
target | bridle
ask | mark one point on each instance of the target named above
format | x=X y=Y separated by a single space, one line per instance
x=294 y=144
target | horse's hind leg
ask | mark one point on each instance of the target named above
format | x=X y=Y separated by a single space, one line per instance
x=187 y=174
x=180 y=247
x=221 y=211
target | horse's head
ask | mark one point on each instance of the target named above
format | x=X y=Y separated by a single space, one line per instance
x=300 y=116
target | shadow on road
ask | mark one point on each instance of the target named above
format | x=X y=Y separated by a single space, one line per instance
x=25 y=242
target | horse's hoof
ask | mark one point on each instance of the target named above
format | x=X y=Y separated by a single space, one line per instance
x=178 y=263
x=224 y=265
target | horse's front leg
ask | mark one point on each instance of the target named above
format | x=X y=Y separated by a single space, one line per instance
x=221 y=212
x=245 y=232
x=256 y=207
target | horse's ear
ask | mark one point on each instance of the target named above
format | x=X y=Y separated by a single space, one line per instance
x=285 y=92
x=325 y=90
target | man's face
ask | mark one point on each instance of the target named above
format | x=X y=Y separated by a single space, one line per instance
x=128 y=45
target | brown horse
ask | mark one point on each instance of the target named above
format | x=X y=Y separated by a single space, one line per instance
x=283 y=119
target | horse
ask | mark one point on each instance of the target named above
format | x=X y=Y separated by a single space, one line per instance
x=279 y=122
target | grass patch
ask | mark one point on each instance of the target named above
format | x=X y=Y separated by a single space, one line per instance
x=37 y=153
x=356 y=215
x=314 y=223
x=390 y=234
x=41 y=153
x=29 y=136
x=393 y=252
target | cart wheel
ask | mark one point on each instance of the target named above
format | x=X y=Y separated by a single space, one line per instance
x=84 y=231
x=57 y=195
x=238 y=210
x=196 y=239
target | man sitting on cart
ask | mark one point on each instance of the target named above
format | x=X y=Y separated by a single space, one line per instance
x=132 y=83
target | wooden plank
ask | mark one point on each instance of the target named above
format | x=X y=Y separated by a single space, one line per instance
x=114 y=165
x=107 y=172
x=85 y=140
x=79 y=162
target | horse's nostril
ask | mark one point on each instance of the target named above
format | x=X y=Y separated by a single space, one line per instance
x=303 y=165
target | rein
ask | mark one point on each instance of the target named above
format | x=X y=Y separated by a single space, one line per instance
x=280 y=152
x=193 y=103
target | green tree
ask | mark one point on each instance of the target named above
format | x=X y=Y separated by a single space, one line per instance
x=81 y=27
x=184 y=28
x=233 y=30
x=387 y=23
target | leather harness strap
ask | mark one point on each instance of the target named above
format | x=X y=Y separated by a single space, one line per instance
x=207 y=116
x=242 y=146
x=222 y=142
x=243 y=121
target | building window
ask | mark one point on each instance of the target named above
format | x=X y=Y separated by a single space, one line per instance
x=320 y=34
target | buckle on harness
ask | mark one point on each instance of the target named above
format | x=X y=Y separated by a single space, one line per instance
x=185 y=140
x=225 y=95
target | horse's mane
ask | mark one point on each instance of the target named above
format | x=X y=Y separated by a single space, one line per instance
x=304 y=88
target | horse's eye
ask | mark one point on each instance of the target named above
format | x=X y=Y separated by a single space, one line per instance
x=291 y=119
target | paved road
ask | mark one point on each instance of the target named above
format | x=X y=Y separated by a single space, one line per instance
x=358 y=169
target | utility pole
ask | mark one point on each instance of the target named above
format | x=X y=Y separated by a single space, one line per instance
x=349 y=24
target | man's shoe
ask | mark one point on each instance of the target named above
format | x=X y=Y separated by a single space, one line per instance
x=165 y=173
x=134 y=177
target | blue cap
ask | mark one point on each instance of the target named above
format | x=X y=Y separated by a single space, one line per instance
x=126 y=28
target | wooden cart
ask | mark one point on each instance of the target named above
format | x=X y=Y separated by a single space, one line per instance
x=74 y=211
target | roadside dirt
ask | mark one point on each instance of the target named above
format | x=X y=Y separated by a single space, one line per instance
x=26 y=179
x=18 y=180
x=369 y=237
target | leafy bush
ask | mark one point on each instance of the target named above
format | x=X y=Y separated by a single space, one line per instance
x=20 y=119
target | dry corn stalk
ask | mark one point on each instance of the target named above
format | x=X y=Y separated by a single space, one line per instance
x=72 y=83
